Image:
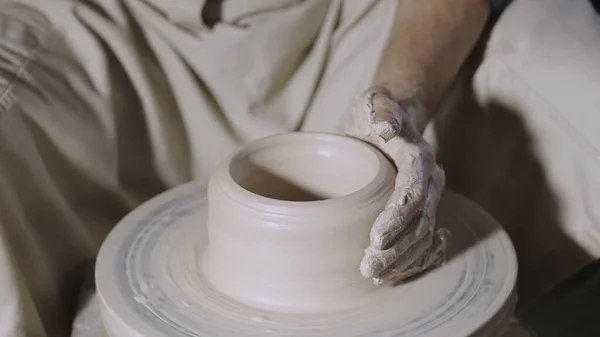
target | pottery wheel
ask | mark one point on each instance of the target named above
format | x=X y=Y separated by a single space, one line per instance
x=150 y=282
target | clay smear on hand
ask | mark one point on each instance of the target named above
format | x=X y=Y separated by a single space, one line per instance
x=403 y=239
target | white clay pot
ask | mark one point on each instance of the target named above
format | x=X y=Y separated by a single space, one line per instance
x=289 y=218
x=254 y=256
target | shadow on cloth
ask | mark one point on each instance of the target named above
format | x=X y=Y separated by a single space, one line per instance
x=488 y=155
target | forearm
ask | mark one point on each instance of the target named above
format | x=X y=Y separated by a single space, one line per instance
x=427 y=46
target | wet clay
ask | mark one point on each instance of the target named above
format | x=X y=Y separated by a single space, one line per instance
x=289 y=220
x=273 y=247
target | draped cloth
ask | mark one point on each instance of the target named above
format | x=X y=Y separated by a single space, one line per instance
x=519 y=134
x=105 y=103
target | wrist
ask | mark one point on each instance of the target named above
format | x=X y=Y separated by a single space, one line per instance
x=417 y=111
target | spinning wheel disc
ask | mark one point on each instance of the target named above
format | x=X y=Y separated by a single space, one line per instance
x=150 y=282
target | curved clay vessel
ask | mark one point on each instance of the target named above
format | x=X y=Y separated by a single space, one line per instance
x=289 y=219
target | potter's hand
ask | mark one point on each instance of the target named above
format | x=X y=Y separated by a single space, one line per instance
x=404 y=240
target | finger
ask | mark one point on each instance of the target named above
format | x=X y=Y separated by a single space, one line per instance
x=435 y=254
x=416 y=268
x=415 y=166
x=412 y=254
x=386 y=113
x=359 y=123
x=375 y=117
x=437 y=183
x=432 y=258
x=375 y=261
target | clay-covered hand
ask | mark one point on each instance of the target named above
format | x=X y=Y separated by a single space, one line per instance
x=404 y=239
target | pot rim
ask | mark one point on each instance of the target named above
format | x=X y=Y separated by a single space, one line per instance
x=378 y=185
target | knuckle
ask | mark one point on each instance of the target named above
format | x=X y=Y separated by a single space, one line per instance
x=414 y=192
x=377 y=90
